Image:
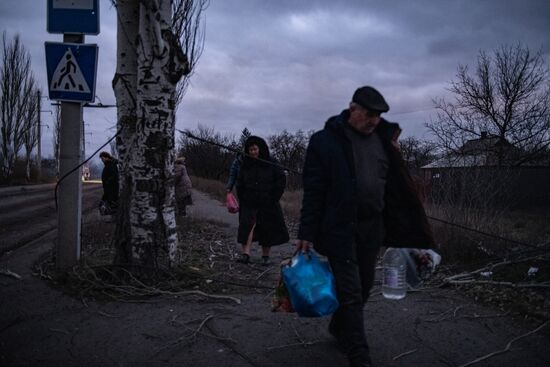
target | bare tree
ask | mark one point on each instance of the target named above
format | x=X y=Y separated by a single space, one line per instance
x=289 y=150
x=416 y=152
x=150 y=63
x=16 y=93
x=245 y=134
x=187 y=26
x=208 y=160
x=507 y=96
x=30 y=132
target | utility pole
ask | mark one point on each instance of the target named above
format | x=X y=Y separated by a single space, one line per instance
x=83 y=142
x=39 y=146
x=70 y=189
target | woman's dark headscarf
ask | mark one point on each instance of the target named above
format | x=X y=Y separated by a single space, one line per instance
x=262 y=145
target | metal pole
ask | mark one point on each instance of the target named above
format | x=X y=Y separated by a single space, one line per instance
x=70 y=189
x=39 y=147
x=83 y=143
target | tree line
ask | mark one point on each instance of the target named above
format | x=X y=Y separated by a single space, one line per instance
x=20 y=107
x=212 y=161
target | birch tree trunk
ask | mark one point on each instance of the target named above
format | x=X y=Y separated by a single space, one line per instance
x=148 y=69
x=125 y=88
x=160 y=66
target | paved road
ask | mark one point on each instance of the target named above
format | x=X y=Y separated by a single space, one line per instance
x=28 y=212
x=42 y=326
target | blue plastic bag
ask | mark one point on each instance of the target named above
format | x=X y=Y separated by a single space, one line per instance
x=311 y=285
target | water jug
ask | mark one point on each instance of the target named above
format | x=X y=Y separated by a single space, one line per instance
x=394 y=282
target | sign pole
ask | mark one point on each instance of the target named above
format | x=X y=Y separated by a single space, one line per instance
x=71 y=68
x=70 y=189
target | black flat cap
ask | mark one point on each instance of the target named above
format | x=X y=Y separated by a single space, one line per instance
x=371 y=99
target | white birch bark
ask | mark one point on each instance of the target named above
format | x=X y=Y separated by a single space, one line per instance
x=125 y=88
x=149 y=65
x=160 y=65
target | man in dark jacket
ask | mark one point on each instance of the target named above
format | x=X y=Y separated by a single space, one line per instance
x=358 y=196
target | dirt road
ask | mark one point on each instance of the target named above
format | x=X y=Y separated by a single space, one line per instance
x=41 y=326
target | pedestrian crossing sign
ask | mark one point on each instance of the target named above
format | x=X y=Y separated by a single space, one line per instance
x=71 y=69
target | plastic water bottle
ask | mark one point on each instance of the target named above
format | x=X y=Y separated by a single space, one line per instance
x=394 y=282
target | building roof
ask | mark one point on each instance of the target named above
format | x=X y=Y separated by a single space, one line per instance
x=487 y=142
x=478 y=152
x=457 y=161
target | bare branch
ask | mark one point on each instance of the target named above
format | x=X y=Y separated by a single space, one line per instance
x=507 y=96
x=507 y=348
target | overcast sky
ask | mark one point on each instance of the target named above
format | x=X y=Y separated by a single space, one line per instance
x=271 y=65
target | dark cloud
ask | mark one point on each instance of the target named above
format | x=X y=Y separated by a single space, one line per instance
x=286 y=64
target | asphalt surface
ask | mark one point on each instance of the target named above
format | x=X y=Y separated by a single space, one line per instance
x=28 y=212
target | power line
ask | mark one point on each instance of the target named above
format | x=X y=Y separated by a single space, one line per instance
x=481 y=232
x=190 y=135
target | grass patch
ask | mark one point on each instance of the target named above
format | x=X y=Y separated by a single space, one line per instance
x=206 y=264
x=214 y=189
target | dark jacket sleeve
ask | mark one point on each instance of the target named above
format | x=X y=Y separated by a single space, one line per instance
x=233 y=173
x=315 y=181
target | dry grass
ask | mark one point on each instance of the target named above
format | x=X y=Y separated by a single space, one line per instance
x=462 y=247
x=291 y=202
x=213 y=188
x=457 y=246
x=465 y=250
x=206 y=263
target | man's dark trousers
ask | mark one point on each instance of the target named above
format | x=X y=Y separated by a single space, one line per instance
x=354 y=279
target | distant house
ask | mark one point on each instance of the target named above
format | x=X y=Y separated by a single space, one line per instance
x=483 y=173
x=486 y=151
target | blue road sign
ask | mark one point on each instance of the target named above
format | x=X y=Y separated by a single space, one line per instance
x=73 y=16
x=71 y=71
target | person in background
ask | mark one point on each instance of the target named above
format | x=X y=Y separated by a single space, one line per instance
x=109 y=179
x=358 y=195
x=260 y=185
x=182 y=186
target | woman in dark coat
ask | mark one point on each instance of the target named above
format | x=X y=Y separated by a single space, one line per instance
x=260 y=186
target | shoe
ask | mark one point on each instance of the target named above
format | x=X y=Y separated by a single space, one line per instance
x=244 y=259
x=265 y=261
